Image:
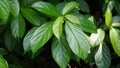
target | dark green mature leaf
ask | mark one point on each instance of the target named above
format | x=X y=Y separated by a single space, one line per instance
x=18 y=27
x=32 y=16
x=4 y=10
x=3 y=51
x=60 y=7
x=57 y=27
x=90 y=57
x=115 y=40
x=8 y=39
x=97 y=38
x=102 y=57
x=3 y=62
x=75 y=57
x=108 y=17
x=61 y=52
x=77 y=40
x=27 y=38
x=116 y=21
x=27 y=3
x=41 y=36
x=45 y=8
x=14 y=7
x=69 y=7
x=117 y=6
x=83 y=6
x=85 y=24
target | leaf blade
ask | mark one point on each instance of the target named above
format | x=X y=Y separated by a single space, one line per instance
x=108 y=18
x=85 y=24
x=26 y=41
x=115 y=40
x=41 y=36
x=45 y=8
x=3 y=62
x=14 y=7
x=61 y=52
x=18 y=27
x=102 y=57
x=69 y=7
x=57 y=27
x=4 y=10
x=77 y=40
x=32 y=16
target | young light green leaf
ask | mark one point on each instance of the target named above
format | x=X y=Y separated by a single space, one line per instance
x=32 y=16
x=108 y=18
x=97 y=38
x=72 y=18
x=14 y=7
x=41 y=36
x=102 y=57
x=4 y=10
x=3 y=62
x=18 y=26
x=26 y=41
x=115 y=40
x=116 y=21
x=85 y=24
x=8 y=39
x=83 y=6
x=45 y=8
x=61 y=52
x=57 y=27
x=69 y=7
x=77 y=40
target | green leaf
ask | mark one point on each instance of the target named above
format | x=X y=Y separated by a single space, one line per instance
x=72 y=18
x=8 y=39
x=27 y=3
x=116 y=21
x=26 y=41
x=32 y=16
x=3 y=63
x=77 y=40
x=61 y=52
x=45 y=8
x=108 y=18
x=3 y=51
x=69 y=7
x=115 y=40
x=117 y=6
x=76 y=58
x=18 y=27
x=4 y=10
x=85 y=24
x=60 y=7
x=83 y=6
x=102 y=57
x=97 y=38
x=41 y=36
x=57 y=27
x=14 y=7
